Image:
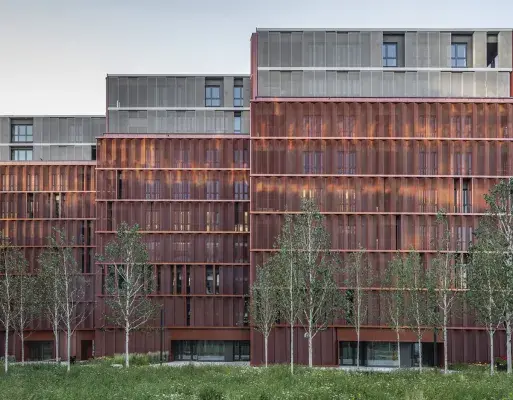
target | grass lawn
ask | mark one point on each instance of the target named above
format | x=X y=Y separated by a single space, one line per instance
x=144 y=382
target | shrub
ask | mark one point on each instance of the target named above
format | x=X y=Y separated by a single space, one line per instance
x=154 y=357
x=9 y=358
x=210 y=393
x=501 y=363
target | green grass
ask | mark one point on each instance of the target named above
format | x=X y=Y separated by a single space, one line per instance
x=99 y=381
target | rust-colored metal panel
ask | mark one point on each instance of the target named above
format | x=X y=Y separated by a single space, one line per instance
x=380 y=169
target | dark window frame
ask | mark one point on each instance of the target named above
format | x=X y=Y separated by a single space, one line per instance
x=210 y=99
x=16 y=135
x=456 y=56
x=388 y=59
x=238 y=96
x=19 y=150
x=237 y=116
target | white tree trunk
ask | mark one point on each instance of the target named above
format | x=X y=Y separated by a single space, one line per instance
x=492 y=360
x=358 y=348
x=6 y=353
x=310 y=350
x=291 y=347
x=398 y=348
x=446 y=367
x=68 y=347
x=22 y=348
x=508 y=344
x=127 y=337
x=420 y=354
x=266 y=341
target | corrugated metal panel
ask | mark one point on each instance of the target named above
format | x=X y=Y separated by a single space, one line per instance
x=434 y=49
x=410 y=49
x=479 y=49
x=505 y=49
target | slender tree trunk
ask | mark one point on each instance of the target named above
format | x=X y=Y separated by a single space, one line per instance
x=446 y=369
x=266 y=341
x=398 y=347
x=420 y=352
x=56 y=335
x=508 y=344
x=127 y=337
x=68 y=347
x=22 y=347
x=492 y=360
x=310 y=350
x=358 y=347
x=6 y=353
x=291 y=322
x=291 y=347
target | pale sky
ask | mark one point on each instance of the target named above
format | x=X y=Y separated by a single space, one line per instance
x=55 y=54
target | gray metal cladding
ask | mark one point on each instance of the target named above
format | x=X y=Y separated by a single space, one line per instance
x=55 y=138
x=383 y=83
x=319 y=63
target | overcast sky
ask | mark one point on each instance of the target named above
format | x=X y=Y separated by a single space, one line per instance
x=55 y=54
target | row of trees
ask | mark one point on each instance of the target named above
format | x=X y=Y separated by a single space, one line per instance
x=305 y=284
x=56 y=292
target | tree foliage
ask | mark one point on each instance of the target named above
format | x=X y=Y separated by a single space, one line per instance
x=130 y=281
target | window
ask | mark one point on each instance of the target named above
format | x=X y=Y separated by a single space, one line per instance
x=212 y=96
x=93 y=153
x=312 y=162
x=21 y=133
x=212 y=190
x=152 y=189
x=241 y=190
x=182 y=221
x=30 y=205
x=492 y=51
x=346 y=162
x=24 y=154
x=389 y=52
x=238 y=100
x=212 y=252
x=458 y=55
x=212 y=221
x=237 y=122
x=312 y=124
x=347 y=200
x=212 y=158
x=240 y=158
x=181 y=190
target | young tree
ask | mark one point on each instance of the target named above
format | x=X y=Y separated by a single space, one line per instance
x=11 y=260
x=290 y=288
x=357 y=294
x=485 y=273
x=66 y=281
x=395 y=298
x=500 y=219
x=317 y=267
x=27 y=304
x=130 y=282
x=443 y=279
x=264 y=302
x=418 y=306
x=50 y=283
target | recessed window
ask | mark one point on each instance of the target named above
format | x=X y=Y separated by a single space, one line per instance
x=238 y=100
x=212 y=96
x=21 y=133
x=389 y=53
x=24 y=154
x=93 y=152
x=459 y=55
x=237 y=122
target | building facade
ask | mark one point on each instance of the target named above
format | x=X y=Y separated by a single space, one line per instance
x=382 y=127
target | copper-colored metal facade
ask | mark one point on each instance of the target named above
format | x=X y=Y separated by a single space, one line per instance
x=36 y=197
x=380 y=169
x=191 y=224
